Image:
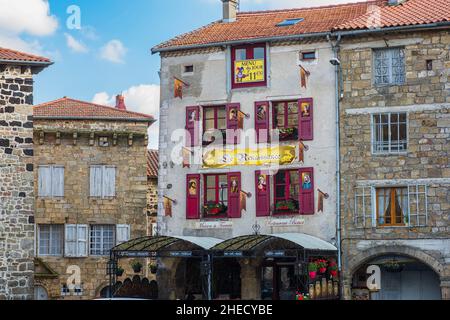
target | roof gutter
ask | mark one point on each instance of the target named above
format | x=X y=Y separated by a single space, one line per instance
x=151 y=121
x=28 y=63
x=303 y=36
x=239 y=42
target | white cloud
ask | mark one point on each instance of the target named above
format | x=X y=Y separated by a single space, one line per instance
x=114 y=51
x=75 y=45
x=142 y=98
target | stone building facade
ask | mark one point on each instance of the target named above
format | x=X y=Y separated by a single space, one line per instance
x=395 y=140
x=16 y=172
x=91 y=193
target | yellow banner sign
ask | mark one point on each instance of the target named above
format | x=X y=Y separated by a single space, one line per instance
x=222 y=158
x=248 y=71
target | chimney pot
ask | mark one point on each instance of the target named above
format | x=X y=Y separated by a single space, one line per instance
x=120 y=102
x=230 y=8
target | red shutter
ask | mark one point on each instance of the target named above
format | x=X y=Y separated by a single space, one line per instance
x=192 y=126
x=234 y=195
x=193 y=196
x=306 y=119
x=262 y=193
x=306 y=195
x=262 y=121
x=233 y=134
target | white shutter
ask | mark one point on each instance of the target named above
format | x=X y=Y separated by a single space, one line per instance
x=96 y=181
x=44 y=181
x=123 y=233
x=109 y=182
x=82 y=240
x=71 y=240
x=58 y=181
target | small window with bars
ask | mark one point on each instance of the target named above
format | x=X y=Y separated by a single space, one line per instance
x=389 y=66
x=389 y=133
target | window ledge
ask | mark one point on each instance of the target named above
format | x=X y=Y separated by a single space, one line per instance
x=389 y=154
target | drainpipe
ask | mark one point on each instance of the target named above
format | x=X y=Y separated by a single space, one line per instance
x=336 y=50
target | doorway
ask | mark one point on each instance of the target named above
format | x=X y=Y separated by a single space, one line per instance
x=279 y=281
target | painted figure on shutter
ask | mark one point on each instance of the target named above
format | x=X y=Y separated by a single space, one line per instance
x=262 y=113
x=306 y=107
x=233 y=116
x=193 y=187
x=262 y=185
x=234 y=185
x=192 y=116
x=306 y=181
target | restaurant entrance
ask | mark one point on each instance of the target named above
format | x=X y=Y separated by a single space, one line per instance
x=279 y=280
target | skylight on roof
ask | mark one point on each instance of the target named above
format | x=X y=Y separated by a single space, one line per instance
x=290 y=22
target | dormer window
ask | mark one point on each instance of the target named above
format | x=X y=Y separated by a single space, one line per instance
x=290 y=22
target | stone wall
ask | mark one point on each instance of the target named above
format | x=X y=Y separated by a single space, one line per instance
x=16 y=183
x=152 y=203
x=76 y=155
x=425 y=96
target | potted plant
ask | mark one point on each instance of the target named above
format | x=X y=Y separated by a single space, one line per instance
x=212 y=208
x=119 y=271
x=322 y=265
x=333 y=268
x=302 y=296
x=153 y=267
x=137 y=266
x=288 y=205
x=312 y=269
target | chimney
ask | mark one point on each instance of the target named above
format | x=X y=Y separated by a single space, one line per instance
x=120 y=102
x=230 y=9
x=395 y=2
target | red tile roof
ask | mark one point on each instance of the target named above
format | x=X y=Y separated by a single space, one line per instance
x=262 y=24
x=76 y=109
x=408 y=13
x=152 y=163
x=16 y=56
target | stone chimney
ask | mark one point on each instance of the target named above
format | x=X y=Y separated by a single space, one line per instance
x=230 y=9
x=120 y=102
x=396 y=2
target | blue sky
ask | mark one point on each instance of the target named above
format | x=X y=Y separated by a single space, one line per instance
x=110 y=54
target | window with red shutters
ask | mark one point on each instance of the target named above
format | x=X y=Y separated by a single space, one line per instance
x=216 y=196
x=306 y=119
x=234 y=192
x=233 y=132
x=262 y=121
x=248 y=66
x=214 y=124
x=306 y=194
x=193 y=196
x=262 y=192
x=286 y=119
x=286 y=189
x=192 y=126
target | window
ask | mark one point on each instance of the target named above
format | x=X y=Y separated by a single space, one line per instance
x=287 y=187
x=51 y=181
x=309 y=55
x=76 y=237
x=103 y=142
x=392 y=206
x=216 y=195
x=102 y=239
x=102 y=181
x=389 y=133
x=285 y=119
x=188 y=69
x=123 y=233
x=50 y=239
x=214 y=123
x=290 y=22
x=249 y=66
x=389 y=66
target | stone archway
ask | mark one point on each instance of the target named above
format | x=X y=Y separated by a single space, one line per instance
x=435 y=266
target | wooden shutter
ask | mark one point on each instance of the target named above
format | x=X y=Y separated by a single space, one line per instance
x=193 y=196
x=192 y=126
x=82 y=240
x=45 y=181
x=70 y=249
x=306 y=194
x=262 y=192
x=306 y=119
x=234 y=192
x=233 y=134
x=96 y=181
x=109 y=182
x=262 y=121
x=58 y=181
x=123 y=233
